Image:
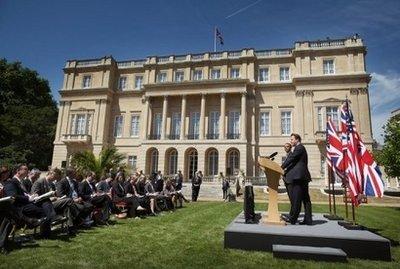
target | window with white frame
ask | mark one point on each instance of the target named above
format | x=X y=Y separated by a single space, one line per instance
x=213 y=163
x=135 y=125
x=213 y=126
x=86 y=81
x=234 y=123
x=194 y=124
x=264 y=123
x=328 y=67
x=138 y=82
x=80 y=123
x=235 y=72
x=332 y=112
x=176 y=125
x=286 y=122
x=132 y=161
x=320 y=118
x=157 y=125
x=122 y=83
x=215 y=73
x=179 y=76
x=173 y=162
x=284 y=74
x=162 y=77
x=233 y=161
x=263 y=75
x=118 y=124
x=198 y=74
x=154 y=161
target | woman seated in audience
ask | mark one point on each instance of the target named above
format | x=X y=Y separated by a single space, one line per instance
x=160 y=202
x=170 y=194
x=144 y=201
x=119 y=195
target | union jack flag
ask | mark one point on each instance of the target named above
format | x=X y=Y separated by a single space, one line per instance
x=334 y=149
x=363 y=174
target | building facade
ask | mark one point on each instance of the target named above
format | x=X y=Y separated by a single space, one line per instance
x=215 y=111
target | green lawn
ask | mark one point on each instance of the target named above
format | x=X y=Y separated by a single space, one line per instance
x=191 y=237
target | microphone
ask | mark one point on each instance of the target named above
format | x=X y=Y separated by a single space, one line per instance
x=273 y=155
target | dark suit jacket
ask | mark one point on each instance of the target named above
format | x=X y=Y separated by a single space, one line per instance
x=84 y=190
x=41 y=186
x=63 y=188
x=119 y=191
x=128 y=187
x=14 y=188
x=295 y=165
x=27 y=184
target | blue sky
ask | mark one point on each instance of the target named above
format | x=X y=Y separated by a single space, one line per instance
x=44 y=34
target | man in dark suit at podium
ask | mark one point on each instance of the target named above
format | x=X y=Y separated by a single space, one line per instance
x=297 y=174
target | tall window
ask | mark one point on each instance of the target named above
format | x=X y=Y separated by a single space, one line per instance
x=333 y=113
x=233 y=124
x=233 y=161
x=264 y=123
x=132 y=162
x=328 y=67
x=284 y=74
x=286 y=122
x=215 y=74
x=157 y=125
x=213 y=126
x=173 y=162
x=194 y=125
x=213 y=163
x=263 y=75
x=162 y=77
x=87 y=81
x=235 y=72
x=119 y=120
x=135 y=125
x=154 y=161
x=138 y=82
x=122 y=83
x=321 y=120
x=179 y=75
x=176 y=125
x=198 y=74
x=80 y=124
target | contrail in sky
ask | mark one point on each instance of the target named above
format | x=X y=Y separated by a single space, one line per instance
x=242 y=9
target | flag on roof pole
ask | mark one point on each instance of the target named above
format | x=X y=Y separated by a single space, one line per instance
x=217 y=35
x=334 y=149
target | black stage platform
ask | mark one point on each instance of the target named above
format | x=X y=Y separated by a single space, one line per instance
x=323 y=233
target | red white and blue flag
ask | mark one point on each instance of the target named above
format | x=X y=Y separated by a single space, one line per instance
x=363 y=174
x=334 y=149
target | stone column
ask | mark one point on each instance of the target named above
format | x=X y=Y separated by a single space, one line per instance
x=60 y=120
x=164 y=118
x=243 y=115
x=222 y=118
x=183 y=118
x=202 y=115
x=145 y=118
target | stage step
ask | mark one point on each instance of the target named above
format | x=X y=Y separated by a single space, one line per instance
x=309 y=253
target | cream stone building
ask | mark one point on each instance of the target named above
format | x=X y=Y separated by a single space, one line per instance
x=214 y=111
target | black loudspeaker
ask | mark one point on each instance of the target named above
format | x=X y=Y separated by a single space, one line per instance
x=248 y=205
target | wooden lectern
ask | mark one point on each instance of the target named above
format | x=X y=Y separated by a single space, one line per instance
x=273 y=172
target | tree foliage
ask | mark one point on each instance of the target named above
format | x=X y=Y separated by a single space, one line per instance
x=87 y=161
x=28 y=116
x=389 y=156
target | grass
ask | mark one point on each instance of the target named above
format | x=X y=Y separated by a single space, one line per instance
x=188 y=238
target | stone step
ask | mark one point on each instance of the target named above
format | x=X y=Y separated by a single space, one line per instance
x=309 y=253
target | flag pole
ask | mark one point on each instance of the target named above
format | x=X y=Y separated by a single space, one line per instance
x=215 y=38
x=329 y=189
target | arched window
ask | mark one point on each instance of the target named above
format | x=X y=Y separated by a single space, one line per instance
x=154 y=161
x=233 y=161
x=173 y=162
x=213 y=163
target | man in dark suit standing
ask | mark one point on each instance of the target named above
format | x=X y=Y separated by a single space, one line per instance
x=297 y=174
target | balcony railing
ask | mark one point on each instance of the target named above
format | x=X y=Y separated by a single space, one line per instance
x=216 y=55
x=270 y=53
x=197 y=57
x=192 y=136
x=173 y=136
x=212 y=136
x=327 y=43
x=234 y=54
x=162 y=59
x=154 y=137
x=232 y=135
x=180 y=58
x=88 y=62
x=76 y=138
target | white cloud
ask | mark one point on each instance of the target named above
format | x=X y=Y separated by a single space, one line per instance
x=384 y=98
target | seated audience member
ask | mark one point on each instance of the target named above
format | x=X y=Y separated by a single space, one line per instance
x=68 y=187
x=144 y=201
x=26 y=202
x=170 y=195
x=87 y=191
x=150 y=191
x=62 y=206
x=104 y=185
x=119 y=195
x=178 y=184
x=159 y=182
x=33 y=175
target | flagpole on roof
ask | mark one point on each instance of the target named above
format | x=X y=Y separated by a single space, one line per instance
x=215 y=38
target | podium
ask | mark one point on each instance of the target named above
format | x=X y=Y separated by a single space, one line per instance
x=273 y=172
